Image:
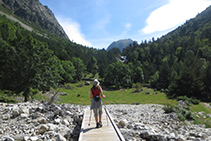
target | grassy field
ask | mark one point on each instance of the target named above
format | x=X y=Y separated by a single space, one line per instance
x=80 y=96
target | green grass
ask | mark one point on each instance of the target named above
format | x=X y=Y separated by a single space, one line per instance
x=7 y=97
x=200 y=107
x=202 y=118
x=205 y=121
x=114 y=97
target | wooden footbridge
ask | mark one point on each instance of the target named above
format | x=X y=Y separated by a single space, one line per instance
x=109 y=131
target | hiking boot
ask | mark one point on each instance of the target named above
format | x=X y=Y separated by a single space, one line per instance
x=97 y=125
x=100 y=124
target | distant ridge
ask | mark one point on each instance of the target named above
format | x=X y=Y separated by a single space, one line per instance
x=121 y=44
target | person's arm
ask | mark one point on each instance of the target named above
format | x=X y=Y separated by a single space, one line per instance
x=91 y=95
x=101 y=92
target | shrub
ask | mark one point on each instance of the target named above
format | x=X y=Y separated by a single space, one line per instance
x=188 y=100
x=188 y=115
x=181 y=117
x=168 y=108
x=194 y=101
x=137 y=87
x=182 y=114
x=183 y=98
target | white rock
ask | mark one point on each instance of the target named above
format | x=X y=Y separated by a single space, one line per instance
x=57 y=121
x=51 y=127
x=26 y=138
x=24 y=115
x=34 y=138
x=5 y=116
x=65 y=121
x=68 y=113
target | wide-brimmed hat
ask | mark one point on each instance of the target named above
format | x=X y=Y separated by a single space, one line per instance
x=96 y=82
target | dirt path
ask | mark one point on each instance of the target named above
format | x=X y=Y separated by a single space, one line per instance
x=16 y=20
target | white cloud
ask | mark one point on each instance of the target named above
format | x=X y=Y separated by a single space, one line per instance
x=72 y=30
x=173 y=14
x=128 y=26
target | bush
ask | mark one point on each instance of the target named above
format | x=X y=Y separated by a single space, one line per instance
x=137 y=87
x=188 y=100
x=168 y=108
x=182 y=114
x=194 y=101
x=181 y=117
x=188 y=115
x=183 y=98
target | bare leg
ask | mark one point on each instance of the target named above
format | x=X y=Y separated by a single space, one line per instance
x=96 y=119
x=100 y=117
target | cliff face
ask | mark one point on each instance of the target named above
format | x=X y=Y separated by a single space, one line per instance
x=32 y=11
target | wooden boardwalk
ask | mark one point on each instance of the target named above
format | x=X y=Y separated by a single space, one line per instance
x=109 y=131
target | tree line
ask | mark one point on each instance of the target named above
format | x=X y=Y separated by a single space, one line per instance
x=31 y=62
x=179 y=62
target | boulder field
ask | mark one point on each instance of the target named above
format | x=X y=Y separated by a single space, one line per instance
x=40 y=121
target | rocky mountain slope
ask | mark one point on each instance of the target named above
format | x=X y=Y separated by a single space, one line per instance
x=33 y=12
x=120 y=44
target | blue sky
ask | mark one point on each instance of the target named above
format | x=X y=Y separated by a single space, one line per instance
x=97 y=23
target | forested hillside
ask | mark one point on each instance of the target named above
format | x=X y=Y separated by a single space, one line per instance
x=30 y=62
x=179 y=61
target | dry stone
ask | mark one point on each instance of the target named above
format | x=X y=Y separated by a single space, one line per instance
x=39 y=121
x=149 y=122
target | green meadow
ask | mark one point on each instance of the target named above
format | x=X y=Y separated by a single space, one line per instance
x=81 y=96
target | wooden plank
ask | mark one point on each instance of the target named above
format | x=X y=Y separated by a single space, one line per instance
x=91 y=133
x=115 y=127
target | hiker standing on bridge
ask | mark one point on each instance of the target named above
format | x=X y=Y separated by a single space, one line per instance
x=96 y=105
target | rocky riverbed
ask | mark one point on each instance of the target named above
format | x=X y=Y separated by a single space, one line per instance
x=40 y=121
x=149 y=122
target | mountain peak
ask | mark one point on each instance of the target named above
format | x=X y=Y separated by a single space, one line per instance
x=121 y=44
